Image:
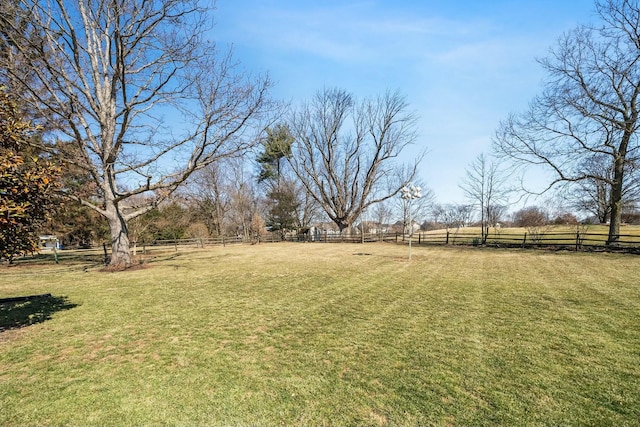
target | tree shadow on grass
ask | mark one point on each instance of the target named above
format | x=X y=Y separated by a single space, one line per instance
x=19 y=312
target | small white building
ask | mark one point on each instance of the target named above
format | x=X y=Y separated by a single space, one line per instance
x=49 y=242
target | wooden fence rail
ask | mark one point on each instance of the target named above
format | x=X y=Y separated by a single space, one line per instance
x=574 y=240
x=568 y=239
x=212 y=241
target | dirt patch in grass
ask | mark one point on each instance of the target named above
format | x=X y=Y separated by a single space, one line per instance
x=120 y=268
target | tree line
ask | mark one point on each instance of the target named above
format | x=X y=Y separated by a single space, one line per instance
x=141 y=123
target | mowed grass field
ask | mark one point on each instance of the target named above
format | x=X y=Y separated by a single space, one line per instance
x=327 y=334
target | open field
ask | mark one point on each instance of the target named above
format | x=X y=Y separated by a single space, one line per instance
x=325 y=334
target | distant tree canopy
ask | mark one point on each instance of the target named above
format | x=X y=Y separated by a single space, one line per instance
x=531 y=216
x=27 y=183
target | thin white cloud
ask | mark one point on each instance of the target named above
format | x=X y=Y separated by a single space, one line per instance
x=354 y=33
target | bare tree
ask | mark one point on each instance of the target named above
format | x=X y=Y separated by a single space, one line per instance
x=345 y=151
x=140 y=228
x=209 y=190
x=308 y=207
x=224 y=196
x=245 y=203
x=535 y=220
x=495 y=213
x=486 y=186
x=590 y=106
x=135 y=85
x=381 y=213
x=454 y=215
x=593 y=194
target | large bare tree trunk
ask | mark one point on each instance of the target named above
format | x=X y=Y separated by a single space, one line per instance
x=120 y=250
x=616 y=202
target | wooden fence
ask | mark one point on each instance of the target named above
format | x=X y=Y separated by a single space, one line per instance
x=206 y=241
x=568 y=239
x=576 y=240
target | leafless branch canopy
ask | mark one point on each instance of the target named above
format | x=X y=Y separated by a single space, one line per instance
x=139 y=88
x=486 y=186
x=346 y=151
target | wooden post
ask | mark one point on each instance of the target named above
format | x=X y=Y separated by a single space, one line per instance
x=577 y=240
x=447 y=241
x=418 y=238
x=106 y=258
x=524 y=241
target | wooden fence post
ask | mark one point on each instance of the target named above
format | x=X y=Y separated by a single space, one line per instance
x=447 y=241
x=106 y=258
x=524 y=241
x=419 y=238
x=577 y=240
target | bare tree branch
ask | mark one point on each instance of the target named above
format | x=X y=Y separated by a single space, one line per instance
x=345 y=151
x=140 y=91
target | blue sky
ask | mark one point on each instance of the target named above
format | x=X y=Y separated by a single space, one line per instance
x=463 y=65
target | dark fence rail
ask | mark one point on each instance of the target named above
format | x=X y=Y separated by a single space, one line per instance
x=207 y=241
x=566 y=239
x=571 y=240
x=576 y=239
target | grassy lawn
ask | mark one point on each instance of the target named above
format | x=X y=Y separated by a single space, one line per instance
x=325 y=334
